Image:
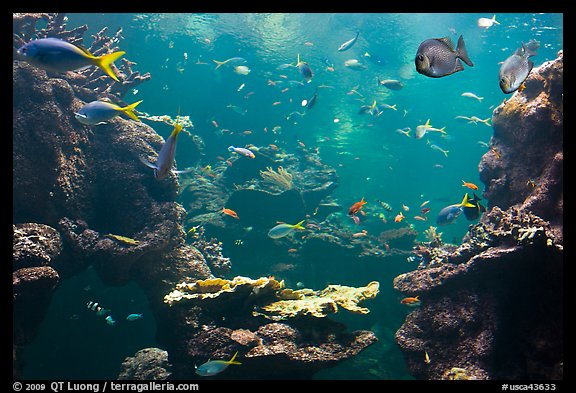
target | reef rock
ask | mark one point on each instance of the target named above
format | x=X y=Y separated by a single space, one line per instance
x=34 y=245
x=148 y=364
x=492 y=308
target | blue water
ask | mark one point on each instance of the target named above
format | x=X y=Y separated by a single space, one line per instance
x=372 y=159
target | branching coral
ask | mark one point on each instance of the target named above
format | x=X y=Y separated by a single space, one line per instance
x=281 y=178
x=432 y=235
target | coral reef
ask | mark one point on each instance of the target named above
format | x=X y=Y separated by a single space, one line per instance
x=148 y=364
x=492 y=307
x=280 y=178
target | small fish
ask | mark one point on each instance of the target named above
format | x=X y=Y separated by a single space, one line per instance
x=240 y=150
x=360 y=234
x=241 y=87
x=354 y=64
x=304 y=68
x=471 y=186
x=487 y=22
x=134 y=317
x=399 y=217
x=450 y=213
x=213 y=367
x=165 y=160
x=385 y=205
x=422 y=129
x=109 y=320
x=123 y=239
x=437 y=57
x=516 y=68
x=348 y=44
x=56 y=55
x=242 y=70
x=438 y=148
x=356 y=219
x=95 y=306
x=381 y=107
x=411 y=301
x=230 y=212
x=99 y=112
x=284 y=229
x=312 y=101
x=426 y=357
x=472 y=213
x=404 y=131
x=233 y=61
x=472 y=95
x=421 y=218
x=391 y=84
x=356 y=207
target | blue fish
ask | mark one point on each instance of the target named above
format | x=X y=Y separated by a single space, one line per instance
x=110 y=321
x=450 y=213
x=166 y=155
x=56 y=55
x=213 y=367
x=348 y=44
x=99 y=112
x=282 y=230
x=304 y=68
x=312 y=100
x=134 y=317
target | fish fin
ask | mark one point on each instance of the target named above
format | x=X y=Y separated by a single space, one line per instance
x=462 y=53
x=147 y=163
x=104 y=62
x=458 y=66
x=465 y=202
x=299 y=225
x=447 y=41
x=298 y=60
x=219 y=63
x=178 y=172
x=427 y=123
x=233 y=360
x=129 y=110
x=531 y=47
x=494 y=20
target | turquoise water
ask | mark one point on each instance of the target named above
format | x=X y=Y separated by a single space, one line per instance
x=372 y=159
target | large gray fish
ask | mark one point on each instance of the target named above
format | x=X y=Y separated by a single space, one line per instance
x=166 y=155
x=517 y=67
x=437 y=57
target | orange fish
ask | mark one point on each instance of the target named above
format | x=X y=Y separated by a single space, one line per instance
x=355 y=208
x=411 y=301
x=399 y=217
x=471 y=186
x=230 y=212
x=420 y=218
x=292 y=250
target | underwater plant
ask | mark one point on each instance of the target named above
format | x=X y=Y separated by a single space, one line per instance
x=432 y=235
x=280 y=178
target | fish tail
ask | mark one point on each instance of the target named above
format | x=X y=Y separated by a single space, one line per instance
x=298 y=60
x=299 y=225
x=442 y=130
x=465 y=202
x=105 y=61
x=494 y=20
x=233 y=360
x=462 y=53
x=219 y=63
x=445 y=152
x=129 y=110
x=394 y=107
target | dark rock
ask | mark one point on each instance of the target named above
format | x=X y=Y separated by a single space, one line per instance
x=148 y=364
x=34 y=245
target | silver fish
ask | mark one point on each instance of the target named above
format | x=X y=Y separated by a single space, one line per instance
x=517 y=67
x=348 y=44
x=437 y=57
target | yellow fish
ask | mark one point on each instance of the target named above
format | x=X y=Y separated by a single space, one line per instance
x=123 y=239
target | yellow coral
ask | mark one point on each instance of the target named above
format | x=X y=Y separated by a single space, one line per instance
x=280 y=178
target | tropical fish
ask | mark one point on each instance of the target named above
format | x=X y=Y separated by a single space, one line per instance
x=243 y=151
x=123 y=239
x=391 y=84
x=385 y=205
x=516 y=68
x=348 y=44
x=213 y=367
x=230 y=213
x=356 y=207
x=166 y=155
x=471 y=186
x=487 y=22
x=356 y=219
x=370 y=109
x=312 y=101
x=242 y=70
x=404 y=131
x=95 y=306
x=386 y=106
x=134 y=317
x=411 y=301
x=437 y=57
x=56 y=55
x=472 y=95
x=472 y=213
x=109 y=320
x=399 y=217
x=422 y=129
x=99 y=112
x=233 y=61
x=426 y=357
x=438 y=148
x=354 y=64
x=450 y=213
x=304 y=68
x=284 y=229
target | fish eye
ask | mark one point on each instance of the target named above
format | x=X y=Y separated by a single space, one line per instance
x=420 y=58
